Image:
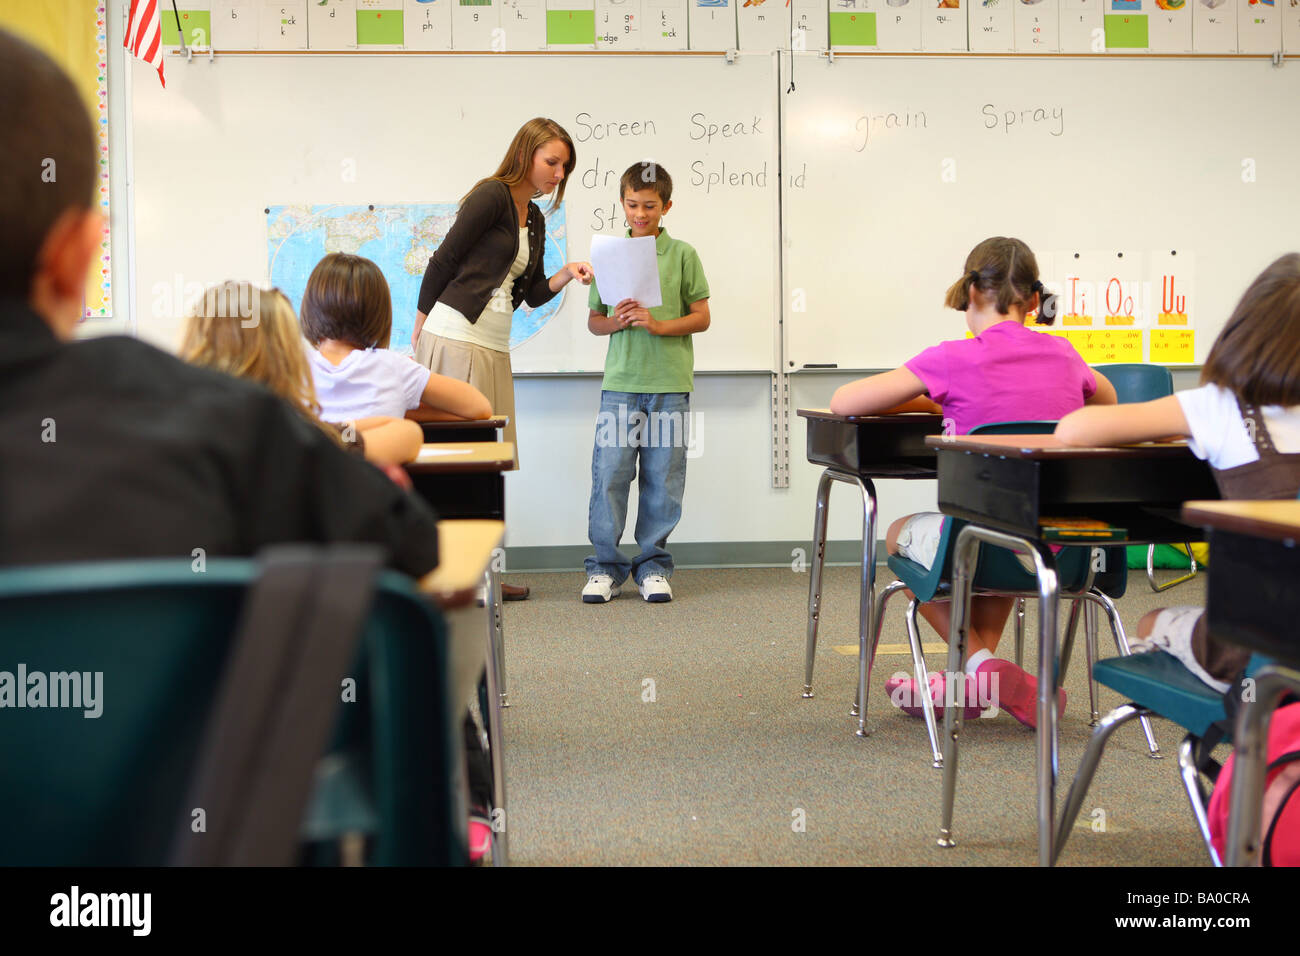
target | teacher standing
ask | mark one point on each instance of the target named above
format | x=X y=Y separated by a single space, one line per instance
x=490 y=262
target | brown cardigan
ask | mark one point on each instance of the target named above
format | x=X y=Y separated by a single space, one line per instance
x=475 y=258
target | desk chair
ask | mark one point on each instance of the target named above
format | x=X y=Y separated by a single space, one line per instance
x=1157 y=684
x=1000 y=573
x=1138 y=382
x=118 y=789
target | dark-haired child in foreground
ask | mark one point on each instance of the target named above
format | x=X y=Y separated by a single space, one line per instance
x=1007 y=372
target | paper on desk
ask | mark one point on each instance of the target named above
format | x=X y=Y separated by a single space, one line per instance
x=430 y=452
x=626 y=269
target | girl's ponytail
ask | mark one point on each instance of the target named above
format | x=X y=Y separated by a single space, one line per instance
x=958 y=295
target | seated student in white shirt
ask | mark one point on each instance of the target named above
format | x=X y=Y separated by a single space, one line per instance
x=347 y=315
x=1244 y=420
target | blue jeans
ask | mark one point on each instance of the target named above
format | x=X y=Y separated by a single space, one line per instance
x=653 y=429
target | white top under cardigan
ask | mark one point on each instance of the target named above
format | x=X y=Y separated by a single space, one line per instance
x=492 y=330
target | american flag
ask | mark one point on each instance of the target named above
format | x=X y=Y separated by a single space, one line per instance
x=144 y=34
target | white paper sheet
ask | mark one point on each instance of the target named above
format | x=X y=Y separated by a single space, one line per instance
x=626 y=269
x=430 y=452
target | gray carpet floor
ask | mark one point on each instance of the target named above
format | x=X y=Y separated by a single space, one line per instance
x=676 y=734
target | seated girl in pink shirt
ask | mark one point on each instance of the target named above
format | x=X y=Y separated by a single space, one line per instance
x=1007 y=372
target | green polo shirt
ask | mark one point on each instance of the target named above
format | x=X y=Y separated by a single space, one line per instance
x=640 y=362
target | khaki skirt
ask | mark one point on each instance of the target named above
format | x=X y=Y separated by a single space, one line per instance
x=486 y=369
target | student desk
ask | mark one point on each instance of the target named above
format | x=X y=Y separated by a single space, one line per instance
x=1005 y=485
x=465 y=551
x=1252 y=600
x=441 y=427
x=465 y=480
x=855 y=449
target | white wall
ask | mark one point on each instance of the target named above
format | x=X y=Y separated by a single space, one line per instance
x=729 y=493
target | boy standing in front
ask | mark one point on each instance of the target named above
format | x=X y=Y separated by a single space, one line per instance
x=645 y=401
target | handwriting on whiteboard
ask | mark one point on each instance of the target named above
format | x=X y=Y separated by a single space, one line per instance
x=1050 y=118
x=871 y=125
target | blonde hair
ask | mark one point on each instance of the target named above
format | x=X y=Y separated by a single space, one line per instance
x=252 y=333
x=518 y=161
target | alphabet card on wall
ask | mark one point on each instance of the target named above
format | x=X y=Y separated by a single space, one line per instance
x=666 y=25
x=810 y=29
x=898 y=24
x=379 y=24
x=570 y=24
x=332 y=25
x=943 y=26
x=1259 y=28
x=1081 y=29
x=283 y=26
x=1214 y=26
x=195 y=19
x=523 y=26
x=992 y=26
x=234 y=24
x=427 y=25
x=1037 y=26
x=1127 y=28
x=475 y=24
x=712 y=24
x=1077 y=306
x=618 y=24
x=853 y=25
x=1171 y=26
x=1121 y=297
x=1172 y=277
x=763 y=24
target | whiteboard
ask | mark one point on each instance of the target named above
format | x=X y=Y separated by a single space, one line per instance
x=897 y=166
x=229 y=138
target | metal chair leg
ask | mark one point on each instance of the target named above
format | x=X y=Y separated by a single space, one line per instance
x=1088 y=767
x=1121 y=646
x=815 y=578
x=1090 y=646
x=1151 y=569
x=882 y=601
x=922 y=681
x=1067 y=642
x=1020 y=632
x=1195 y=794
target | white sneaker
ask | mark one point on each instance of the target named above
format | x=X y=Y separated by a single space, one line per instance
x=599 y=589
x=654 y=588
